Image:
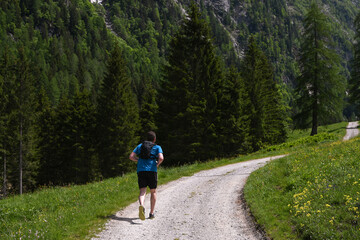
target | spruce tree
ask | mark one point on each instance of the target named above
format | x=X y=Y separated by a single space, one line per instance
x=188 y=105
x=253 y=78
x=264 y=109
x=273 y=106
x=149 y=108
x=22 y=99
x=9 y=121
x=355 y=72
x=2 y=134
x=118 y=118
x=61 y=163
x=234 y=123
x=46 y=145
x=6 y=77
x=85 y=162
x=320 y=86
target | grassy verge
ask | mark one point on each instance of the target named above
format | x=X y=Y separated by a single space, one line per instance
x=76 y=212
x=313 y=194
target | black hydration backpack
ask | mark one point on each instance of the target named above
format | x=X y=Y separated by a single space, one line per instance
x=145 y=150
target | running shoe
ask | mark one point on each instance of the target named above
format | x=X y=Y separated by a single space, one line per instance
x=151 y=216
x=142 y=212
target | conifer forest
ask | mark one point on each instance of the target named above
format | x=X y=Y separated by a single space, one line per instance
x=82 y=81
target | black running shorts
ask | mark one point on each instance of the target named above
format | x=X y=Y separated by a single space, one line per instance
x=147 y=179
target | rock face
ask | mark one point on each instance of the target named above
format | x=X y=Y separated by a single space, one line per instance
x=219 y=5
x=96 y=1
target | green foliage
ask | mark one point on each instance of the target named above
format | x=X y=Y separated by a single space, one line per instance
x=265 y=111
x=355 y=71
x=148 y=109
x=314 y=193
x=277 y=25
x=85 y=165
x=320 y=87
x=17 y=115
x=66 y=45
x=64 y=38
x=234 y=122
x=66 y=141
x=145 y=28
x=299 y=138
x=117 y=118
x=321 y=137
x=189 y=110
x=45 y=132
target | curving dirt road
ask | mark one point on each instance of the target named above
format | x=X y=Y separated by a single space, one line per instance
x=204 y=206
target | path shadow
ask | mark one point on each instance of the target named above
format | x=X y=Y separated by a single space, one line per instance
x=336 y=129
x=124 y=219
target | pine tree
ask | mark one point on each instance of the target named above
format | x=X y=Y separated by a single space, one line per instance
x=3 y=104
x=149 y=108
x=21 y=116
x=46 y=145
x=63 y=162
x=234 y=124
x=253 y=77
x=264 y=108
x=118 y=118
x=355 y=72
x=188 y=105
x=273 y=106
x=7 y=78
x=85 y=163
x=320 y=86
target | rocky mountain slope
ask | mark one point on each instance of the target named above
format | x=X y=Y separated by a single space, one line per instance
x=277 y=25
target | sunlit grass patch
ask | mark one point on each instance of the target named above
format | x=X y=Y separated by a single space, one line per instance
x=301 y=138
x=313 y=194
x=64 y=212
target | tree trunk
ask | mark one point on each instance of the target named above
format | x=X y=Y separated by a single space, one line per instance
x=4 y=176
x=21 y=157
x=314 y=117
x=315 y=97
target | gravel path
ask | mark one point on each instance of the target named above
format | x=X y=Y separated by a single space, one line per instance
x=204 y=206
x=351 y=130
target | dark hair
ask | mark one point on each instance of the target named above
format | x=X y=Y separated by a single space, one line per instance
x=151 y=136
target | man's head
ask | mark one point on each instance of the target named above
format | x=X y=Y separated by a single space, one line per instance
x=151 y=136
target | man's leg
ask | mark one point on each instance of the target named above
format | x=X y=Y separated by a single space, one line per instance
x=141 y=201
x=142 y=196
x=152 y=200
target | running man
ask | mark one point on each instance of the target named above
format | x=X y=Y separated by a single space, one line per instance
x=148 y=157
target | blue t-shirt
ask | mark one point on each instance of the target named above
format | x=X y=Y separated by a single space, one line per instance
x=148 y=165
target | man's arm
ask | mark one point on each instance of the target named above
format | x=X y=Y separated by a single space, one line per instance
x=133 y=157
x=160 y=159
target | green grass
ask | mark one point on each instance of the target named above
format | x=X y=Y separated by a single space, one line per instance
x=77 y=212
x=313 y=194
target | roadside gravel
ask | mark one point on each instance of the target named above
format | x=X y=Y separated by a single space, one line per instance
x=206 y=205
